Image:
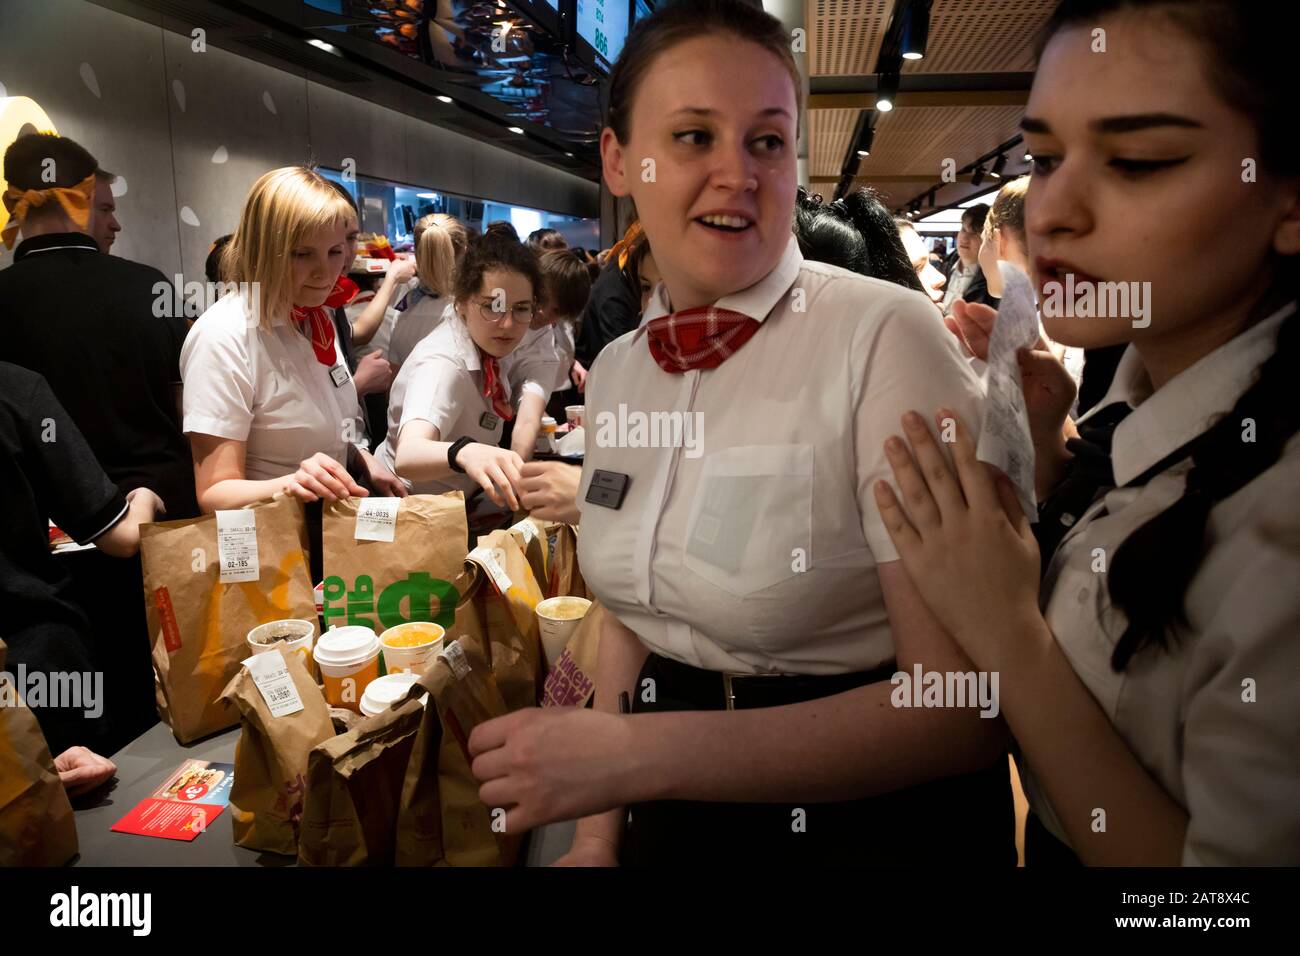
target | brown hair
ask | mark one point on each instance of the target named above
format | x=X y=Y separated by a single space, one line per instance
x=678 y=22
x=494 y=251
x=1008 y=211
x=566 y=282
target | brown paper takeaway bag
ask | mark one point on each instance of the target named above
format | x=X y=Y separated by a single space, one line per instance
x=442 y=821
x=199 y=626
x=507 y=607
x=380 y=584
x=266 y=799
x=354 y=787
x=552 y=552
x=36 y=824
x=572 y=681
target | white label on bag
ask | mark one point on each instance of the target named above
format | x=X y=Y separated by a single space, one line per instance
x=377 y=519
x=237 y=546
x=456 y=660
x=271 y=675
x=487 y=559
x=528 y=530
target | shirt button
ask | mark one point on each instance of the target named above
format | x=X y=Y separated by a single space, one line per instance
x=1083 y=595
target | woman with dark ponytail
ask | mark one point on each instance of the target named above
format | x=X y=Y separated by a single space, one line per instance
x=855 y=233
x=1154 y=696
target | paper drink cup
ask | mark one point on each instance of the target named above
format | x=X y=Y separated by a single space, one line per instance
x=411 y=647
x=558 y=618
x=289 y=636
x=348 y=658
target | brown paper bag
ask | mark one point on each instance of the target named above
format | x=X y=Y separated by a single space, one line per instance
x=36 y=823
x=380 y=584
x=199 y=626
x=508 y=608
x=442 y=821
x=572 y=681
x=552 y=552
x=266 y=799
x=354 y=788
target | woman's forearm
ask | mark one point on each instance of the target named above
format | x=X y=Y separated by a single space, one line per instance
x=372 y=316
x=528 y=422
x=619 y=659
x=420 y=459
x=848 y=746
x=232 y=493
x=1114 y=812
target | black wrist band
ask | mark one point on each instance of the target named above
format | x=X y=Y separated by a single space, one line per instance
x=454 y=450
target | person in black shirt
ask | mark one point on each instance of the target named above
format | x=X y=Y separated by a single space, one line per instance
x=90 y=324
x=47 y=471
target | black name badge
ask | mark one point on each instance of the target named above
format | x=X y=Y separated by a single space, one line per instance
x=489 y=421
x=339 y=373
x=607 y=489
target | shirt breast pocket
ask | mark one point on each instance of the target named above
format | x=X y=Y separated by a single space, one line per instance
x=751 y=517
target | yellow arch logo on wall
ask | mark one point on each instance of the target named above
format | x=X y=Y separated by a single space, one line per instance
x=19 y=115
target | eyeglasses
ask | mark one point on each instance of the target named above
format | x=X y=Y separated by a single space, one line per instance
x=520 y=312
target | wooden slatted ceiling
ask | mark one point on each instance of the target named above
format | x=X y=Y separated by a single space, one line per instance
x=844 y=35
x=982 y=36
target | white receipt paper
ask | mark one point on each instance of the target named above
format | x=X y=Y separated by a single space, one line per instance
x=527 y=529
x=456 y=660
x=488 y=561
x=237 y=546
x=271 y=675
x=1005 y=441
x=377 y=519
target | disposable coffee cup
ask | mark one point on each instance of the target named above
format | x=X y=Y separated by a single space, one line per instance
x=558 y=618
x=387 y=690
x=573 y=415
x=348 y=658
x=290 y=637
x=418 y=643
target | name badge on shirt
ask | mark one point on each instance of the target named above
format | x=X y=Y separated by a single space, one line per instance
x=339 y=373
x=489 y=421
x=608 y=488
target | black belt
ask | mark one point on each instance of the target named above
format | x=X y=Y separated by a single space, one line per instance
x=714 y=690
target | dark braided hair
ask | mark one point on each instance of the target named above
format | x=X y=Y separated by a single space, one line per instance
x=855 y=233
x=1152 y=569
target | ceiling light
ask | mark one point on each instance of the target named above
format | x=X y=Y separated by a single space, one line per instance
x=445 y=99
x=977 y=176
x=886 y=90
x=999 y=165
x=1029 y=157
x=322 y=45
x=516 y=129
x=864 y=152
x=916 y=30
x=426 y=195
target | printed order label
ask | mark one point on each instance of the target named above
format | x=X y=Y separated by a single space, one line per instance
x=271 y=675
x=487 y=560
x=377 y=519
x=237 y=546
x=456 y=660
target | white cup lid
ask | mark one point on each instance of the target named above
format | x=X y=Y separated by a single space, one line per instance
x=383 y=693
x=346 y=645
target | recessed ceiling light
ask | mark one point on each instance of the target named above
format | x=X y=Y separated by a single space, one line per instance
x=445 y=99
x=516 y=129
x=322 y=45
x=864 y=152
x=426 y=195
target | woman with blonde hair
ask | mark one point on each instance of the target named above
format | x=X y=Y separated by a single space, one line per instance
x=270 y=406
x=440 y=242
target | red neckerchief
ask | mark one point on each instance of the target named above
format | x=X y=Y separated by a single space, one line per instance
x=494 y=389
x=344 y=291
x=320 y=329
x=704 y=337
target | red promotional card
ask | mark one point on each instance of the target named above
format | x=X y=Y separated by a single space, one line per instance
x=191 y=797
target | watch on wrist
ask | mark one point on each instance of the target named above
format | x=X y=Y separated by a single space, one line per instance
x=454 y=450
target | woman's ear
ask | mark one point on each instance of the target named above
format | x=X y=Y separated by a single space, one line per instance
x=613 y=160
x=1286 y=238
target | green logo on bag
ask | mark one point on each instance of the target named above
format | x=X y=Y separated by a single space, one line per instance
x=410 y=599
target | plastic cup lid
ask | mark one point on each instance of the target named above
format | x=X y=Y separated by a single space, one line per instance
x=346 y=645
x=383 y=693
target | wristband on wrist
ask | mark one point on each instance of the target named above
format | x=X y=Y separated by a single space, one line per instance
x=454 y=450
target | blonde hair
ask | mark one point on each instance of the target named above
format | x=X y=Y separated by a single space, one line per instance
x=1008 y=212
x=439 y=242
x=284 y=208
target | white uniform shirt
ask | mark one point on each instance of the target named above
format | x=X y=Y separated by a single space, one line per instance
x=1234 y=765
x=534 y=365
x=958 y=279
x=416 y=322
x=441 y=383
x=266 y=388
x=379 y=341
x=755 y=551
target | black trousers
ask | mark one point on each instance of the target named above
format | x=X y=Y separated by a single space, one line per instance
x=963 y=821
x=1043 y=850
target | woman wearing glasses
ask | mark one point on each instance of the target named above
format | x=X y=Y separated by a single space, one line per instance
x=450 y=400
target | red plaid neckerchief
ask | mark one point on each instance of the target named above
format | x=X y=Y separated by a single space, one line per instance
x=320 y=329
x=344 y=291
x=494 y=389
x=698 y=338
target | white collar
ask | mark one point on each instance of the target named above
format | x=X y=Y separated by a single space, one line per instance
x=1189 y=403
x=757 y=301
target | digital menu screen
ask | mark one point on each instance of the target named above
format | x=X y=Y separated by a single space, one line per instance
x=603 y=24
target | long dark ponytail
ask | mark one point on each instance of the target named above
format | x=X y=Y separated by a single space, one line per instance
x=1150 y=572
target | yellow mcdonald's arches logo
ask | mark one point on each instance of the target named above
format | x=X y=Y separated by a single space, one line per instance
x=19 y=115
